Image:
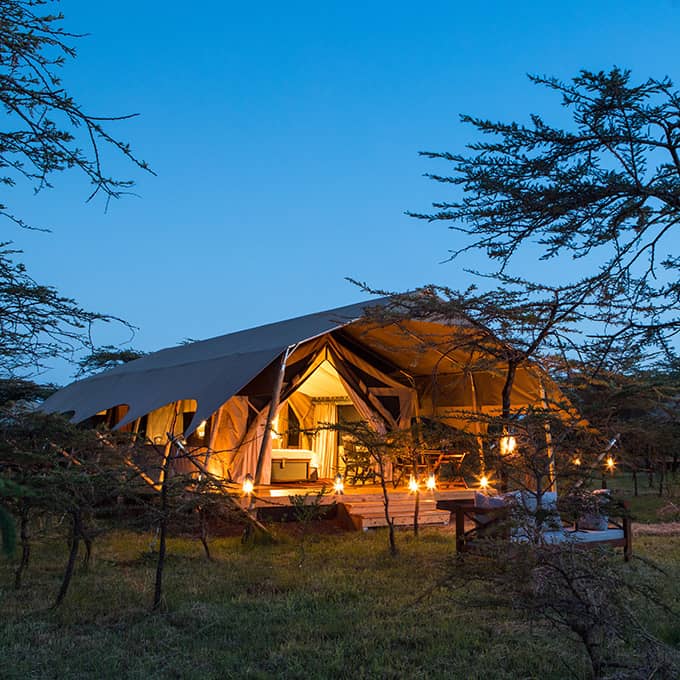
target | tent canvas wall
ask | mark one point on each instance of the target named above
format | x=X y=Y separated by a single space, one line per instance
x=225 y=394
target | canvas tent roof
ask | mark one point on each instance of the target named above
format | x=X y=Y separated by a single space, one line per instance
x=209 y=371
x=212 y=371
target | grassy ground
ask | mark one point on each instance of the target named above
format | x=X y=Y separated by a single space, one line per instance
x=349 y=611
x=648 y=506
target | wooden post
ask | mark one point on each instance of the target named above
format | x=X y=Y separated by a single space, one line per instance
x=273 y=407
x=478 y=425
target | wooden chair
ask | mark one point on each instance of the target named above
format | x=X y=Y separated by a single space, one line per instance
x=358 y=467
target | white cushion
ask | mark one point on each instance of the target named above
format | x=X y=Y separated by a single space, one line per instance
x=595 y=536
x=488 y=502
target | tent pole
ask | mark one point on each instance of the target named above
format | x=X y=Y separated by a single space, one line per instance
x=214 y=424
x=478 y=425
x=552 y=478
x=273 y=408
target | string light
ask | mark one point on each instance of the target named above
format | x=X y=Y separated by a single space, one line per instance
x=339 y=485
x=248 y=484
x=577 y=461
x=508 y=445
x=610 y=463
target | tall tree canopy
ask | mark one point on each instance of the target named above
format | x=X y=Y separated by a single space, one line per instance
x=607 y=185
x=44 y=131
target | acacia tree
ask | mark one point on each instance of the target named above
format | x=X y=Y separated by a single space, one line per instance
x=45 y=131
x=642 y=407
x=608 y=185
x=502 y=331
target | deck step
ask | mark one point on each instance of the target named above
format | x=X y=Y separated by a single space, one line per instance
x=433 y=518
x=368 y=514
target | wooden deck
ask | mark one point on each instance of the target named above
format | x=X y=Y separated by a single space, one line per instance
x=361 y=507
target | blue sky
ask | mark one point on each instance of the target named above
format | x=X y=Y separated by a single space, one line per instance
x=285 y=137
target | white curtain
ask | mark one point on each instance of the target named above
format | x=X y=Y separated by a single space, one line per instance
x=325 y=442
x=245 y=460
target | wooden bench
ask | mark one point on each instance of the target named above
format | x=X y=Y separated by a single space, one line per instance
x=495 y=523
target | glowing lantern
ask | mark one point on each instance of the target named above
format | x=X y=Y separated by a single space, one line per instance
x=248 y=484
x=508 y=445
x=431 y=483
x=577 y=461
x=339 y=485
x=483 y=482
x=610 y=464
x=412 y=484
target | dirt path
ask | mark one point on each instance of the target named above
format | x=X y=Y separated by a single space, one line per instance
x=661 y=529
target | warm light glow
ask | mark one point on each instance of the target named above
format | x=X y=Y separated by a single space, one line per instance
x=200 y=430
x=577 y=461
x=508 y=445
x=248 y=485
x=412 y=484
x=339 y=486
x=483 y=482
x=275 y=426
x=610 y=463
x=431 y=483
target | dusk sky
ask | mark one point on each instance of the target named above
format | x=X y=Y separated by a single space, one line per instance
x=285 y=139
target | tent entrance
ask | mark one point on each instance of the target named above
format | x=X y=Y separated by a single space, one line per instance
x=301 y=447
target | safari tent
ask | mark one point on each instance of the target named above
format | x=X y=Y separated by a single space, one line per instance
x=247 y=401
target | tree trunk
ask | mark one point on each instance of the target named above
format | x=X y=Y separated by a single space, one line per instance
x=506 y=404
x=386 y=504
x=162 y=532
x=87 y=540
x=25 y=547
x=76 y=533
x=416 y=509
x=635 y=483
x=507 y=388
x=203 y=528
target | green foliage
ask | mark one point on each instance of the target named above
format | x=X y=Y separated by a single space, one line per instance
x=251 y=612
x=605 y=186
x=106 y=357
x=36 y=323
x=45 y=130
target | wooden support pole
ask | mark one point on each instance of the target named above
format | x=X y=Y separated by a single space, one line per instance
x=273 y=408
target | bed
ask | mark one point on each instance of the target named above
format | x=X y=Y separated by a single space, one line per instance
x=293 y=465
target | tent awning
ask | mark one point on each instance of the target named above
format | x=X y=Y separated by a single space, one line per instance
x=209 y=371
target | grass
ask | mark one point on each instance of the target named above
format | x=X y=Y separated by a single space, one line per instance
x=350 y=611
x=646 y=506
